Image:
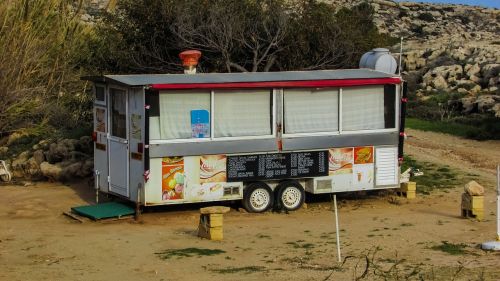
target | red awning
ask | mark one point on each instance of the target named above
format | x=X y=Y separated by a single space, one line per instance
x=281 y=84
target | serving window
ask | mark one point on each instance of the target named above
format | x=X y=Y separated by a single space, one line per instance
x=173 y=115
x=240 y=113
x=339 y=111
x=310 y=110
x=183 y=115
x=368 y=108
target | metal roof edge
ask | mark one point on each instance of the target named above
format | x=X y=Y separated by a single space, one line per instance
x=137 y=80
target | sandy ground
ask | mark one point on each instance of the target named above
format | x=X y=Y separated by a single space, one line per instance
x=396 y=235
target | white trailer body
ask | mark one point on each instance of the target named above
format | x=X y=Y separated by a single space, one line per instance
x=179 y=138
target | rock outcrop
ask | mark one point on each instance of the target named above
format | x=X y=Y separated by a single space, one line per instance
x=447 y=49
x=474 y=189
x=62 y=160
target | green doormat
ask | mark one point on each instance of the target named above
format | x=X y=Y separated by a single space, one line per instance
x=104 y=211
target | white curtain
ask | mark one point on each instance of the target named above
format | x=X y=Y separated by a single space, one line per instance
x=242 y=113
x=363 y=108
x=310 y=110
x=175 y=112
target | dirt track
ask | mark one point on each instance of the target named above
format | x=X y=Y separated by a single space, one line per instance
x=466 y=155
x=38 y=243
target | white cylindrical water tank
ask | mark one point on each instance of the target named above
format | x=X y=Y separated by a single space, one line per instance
x=379 y=59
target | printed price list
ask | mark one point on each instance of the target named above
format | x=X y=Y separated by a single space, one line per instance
x=277 y=165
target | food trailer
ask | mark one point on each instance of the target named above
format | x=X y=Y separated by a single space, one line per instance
x=263 y=138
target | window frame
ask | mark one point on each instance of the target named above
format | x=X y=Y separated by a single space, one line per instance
x=371 y=131
x=340 y=130
x=94 y=92
x=212 y=137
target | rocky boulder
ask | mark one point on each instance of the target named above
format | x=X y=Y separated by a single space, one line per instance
x=474 y=189
x=440 y=77
x=485 y=103
x=469 y=105
x=435 y=81
x=61 y=150
x=51 y=171
x=62 y=160
x=490 y=71
x=19 y=163
x=39 y=156
x=472 y=69
x=496 y=110
x=448 y=71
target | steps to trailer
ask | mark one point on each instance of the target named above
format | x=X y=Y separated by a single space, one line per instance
x=104 y=211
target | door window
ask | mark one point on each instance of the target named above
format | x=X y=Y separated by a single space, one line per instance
x=118 y=113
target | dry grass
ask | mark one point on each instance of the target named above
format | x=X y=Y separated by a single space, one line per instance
x=41 y=42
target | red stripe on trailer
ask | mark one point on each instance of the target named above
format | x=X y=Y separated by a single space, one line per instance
x=281 y=84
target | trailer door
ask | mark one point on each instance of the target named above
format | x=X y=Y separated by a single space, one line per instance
x=118 y=143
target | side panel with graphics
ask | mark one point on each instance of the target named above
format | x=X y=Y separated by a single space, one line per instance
x=353 y=169
x=190 y=179
x=204 y=178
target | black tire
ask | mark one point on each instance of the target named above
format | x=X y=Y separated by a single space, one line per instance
x=290 y=195
x=258 y=197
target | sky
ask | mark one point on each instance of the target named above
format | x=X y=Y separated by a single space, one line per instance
x=484 y=3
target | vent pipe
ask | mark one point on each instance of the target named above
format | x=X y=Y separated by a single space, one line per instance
x=190 y=60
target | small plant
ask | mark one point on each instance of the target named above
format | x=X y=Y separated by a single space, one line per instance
x=434 y=177
x=394 y=200
x=407 y=224
x=444 y=169
x=403 y=13
x=297 y=245
x=244 y=269
x=188 y=252
x=450 y=248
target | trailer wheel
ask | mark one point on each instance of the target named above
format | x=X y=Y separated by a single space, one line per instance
x=290 y=194
x=258 y=197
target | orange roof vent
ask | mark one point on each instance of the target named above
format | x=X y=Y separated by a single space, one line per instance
x=190 y=57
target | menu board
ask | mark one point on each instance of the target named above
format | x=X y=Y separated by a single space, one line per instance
x=277 y=166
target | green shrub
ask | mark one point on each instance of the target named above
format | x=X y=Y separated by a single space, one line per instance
x=418 y=30
x=464 y=19
x=245 y=35
x=478 y=128
x=426 y=17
